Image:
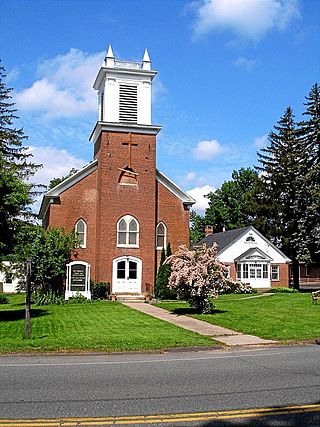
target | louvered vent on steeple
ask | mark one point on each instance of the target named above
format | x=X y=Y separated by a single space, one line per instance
x=128 y=103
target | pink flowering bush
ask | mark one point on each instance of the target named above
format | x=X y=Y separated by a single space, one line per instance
x=197 y=276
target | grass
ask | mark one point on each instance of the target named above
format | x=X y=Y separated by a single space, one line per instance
x=278 y=316
x=99 y=326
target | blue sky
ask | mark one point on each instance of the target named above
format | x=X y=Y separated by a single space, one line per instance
x=227 y=69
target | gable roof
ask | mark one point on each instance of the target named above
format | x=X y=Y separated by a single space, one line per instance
x=227 y=238
x=171 y=186
x=253 y=253
x=54 y=193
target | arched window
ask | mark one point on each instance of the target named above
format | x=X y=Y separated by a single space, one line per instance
x=161 y=235
x=128 y=232
x=81 y=233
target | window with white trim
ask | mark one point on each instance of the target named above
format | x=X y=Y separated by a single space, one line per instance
x=81 y=233
x=238 y=271
x=128 y=232
x=161 y=235
x=274 y=272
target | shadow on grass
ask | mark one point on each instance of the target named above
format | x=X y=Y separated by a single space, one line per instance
x=12 y=315
x=189 y=310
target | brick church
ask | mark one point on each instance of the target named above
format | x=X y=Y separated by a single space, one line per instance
x=122 y=208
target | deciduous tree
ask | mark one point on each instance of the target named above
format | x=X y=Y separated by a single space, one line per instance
x=197 y=276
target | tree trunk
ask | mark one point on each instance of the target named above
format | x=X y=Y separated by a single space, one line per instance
x=295 y=273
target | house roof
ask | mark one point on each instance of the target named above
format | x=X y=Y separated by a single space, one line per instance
x=228 y=238
x=53 y=194
x=224 y=238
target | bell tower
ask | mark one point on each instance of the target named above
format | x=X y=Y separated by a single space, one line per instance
x=124 y=141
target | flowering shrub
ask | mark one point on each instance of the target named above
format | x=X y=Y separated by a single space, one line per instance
x=231 y=287
x=197 y=276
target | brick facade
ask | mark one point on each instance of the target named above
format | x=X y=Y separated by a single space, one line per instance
x=101 y=199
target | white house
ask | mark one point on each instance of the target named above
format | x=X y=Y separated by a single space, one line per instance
x=251 y=257
x=8 y=283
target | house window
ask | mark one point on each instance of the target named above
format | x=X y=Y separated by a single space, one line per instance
x=238 y=271
x=128 y=232
x=274 y=272
x=81 y=233
x=245 y=271
x=8 y=278
x=265 y=271
x=161 y=235
x=250 y=239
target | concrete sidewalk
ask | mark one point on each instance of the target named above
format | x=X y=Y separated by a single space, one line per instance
x=224 y=335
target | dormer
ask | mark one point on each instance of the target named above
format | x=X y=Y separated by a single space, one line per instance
x=124 y=90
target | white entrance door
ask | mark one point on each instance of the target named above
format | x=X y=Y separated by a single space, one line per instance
x=126 y=275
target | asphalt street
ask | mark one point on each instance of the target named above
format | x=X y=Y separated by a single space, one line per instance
x=150 y=384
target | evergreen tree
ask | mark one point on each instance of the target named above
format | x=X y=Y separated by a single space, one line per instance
x=308 y=240
x=161 y=290
x=15 y=169
x=169 y=251
x=281 y=167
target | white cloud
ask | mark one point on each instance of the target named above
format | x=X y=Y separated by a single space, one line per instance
x=247 y=64
x=198 y=194
x=260 y=141
x=207 y=150
x=12 y=75
x=191 y=176
x=56 y=163
x=247 y=19
x=64 y=87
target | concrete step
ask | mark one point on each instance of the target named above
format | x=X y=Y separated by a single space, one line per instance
x=134 y=297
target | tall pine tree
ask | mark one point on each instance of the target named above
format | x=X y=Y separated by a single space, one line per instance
x=308 y=245
x=15 y=169
x=281 y=167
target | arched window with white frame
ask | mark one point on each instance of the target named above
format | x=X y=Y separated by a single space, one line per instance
x=161 y=235
x=81 y=233
x=128 y=232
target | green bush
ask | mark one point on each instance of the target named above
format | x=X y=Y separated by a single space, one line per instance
x=46 y=298
x=78 y=299
x=162 y=290
x=99 y=290
x=231 y=287
x=282 y=290
x=3 y=299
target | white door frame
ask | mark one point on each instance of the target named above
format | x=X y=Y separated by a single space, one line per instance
x=126 y=285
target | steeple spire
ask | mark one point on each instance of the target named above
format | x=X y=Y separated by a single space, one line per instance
x=146 y=62
x=110 y=52
x=109 y=59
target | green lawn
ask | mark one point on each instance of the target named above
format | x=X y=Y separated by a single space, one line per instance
x=101 y=326
x=278 y=316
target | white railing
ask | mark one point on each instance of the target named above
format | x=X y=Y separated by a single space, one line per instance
x=128 y=64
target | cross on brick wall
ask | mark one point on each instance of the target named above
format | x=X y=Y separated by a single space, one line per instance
x=130 y=144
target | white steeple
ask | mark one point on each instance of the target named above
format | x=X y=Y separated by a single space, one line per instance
x=125 y=90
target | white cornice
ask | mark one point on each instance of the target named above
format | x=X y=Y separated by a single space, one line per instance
x=122 y=72
x=171 y=186
x=122 y=127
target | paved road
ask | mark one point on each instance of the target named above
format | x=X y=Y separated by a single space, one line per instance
x=142 y=384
